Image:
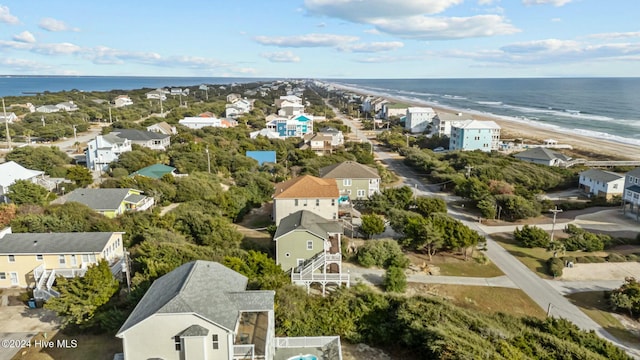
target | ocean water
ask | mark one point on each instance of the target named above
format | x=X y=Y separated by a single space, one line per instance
x=26 y=85
x=605 y=108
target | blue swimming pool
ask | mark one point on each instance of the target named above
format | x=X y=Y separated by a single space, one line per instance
x=303 y=357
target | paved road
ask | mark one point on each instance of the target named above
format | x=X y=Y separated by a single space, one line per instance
x=545 y=295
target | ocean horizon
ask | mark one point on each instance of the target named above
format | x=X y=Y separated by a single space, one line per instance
x=599 y=107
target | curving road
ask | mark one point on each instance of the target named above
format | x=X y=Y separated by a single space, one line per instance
x=541 y=291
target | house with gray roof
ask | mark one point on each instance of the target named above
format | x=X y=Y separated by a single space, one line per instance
x=543 y=156
x=308 y=246
x=601 y=183
x=354 y=180
x=150 y=139
x=11 y=171
x=108 y=202
x=202 y=310
x=35 y=259
x=631 y=196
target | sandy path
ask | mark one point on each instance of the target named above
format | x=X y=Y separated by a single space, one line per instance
x=602 y=271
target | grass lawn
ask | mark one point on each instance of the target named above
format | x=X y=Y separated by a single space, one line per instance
x=93 y=347
x=483 y=298
x=454 y=265
x=594 y=304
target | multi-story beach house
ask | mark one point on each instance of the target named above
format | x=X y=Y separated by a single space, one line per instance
x=202 y=310
x=289 y=108
x=35 y=259
x=308 y=247
x=354 y=180
x=601 y=183
x=631 y=197
x=418 y=119
x=294 y=126
x=307 y=192
x=472 y=135
x=104 y=149
x=441 y=124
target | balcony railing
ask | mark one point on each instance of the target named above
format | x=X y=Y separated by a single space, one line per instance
x=302 y=342
x=242 y=352
x=323 y=277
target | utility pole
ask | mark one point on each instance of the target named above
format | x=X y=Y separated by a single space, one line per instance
x=6 y=125
x=75 y=134
x=110 y=121
x=553 y=226
x=208 y=159
x=549 y=309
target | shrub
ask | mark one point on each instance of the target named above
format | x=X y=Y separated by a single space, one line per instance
x=382 y=253
x=395 y=280
x=531 y=236
x=555 y=266
x=613 y=257
x=632 y=257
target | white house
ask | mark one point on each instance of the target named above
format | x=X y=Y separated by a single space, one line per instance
x=47 y=109
x=104 y=149
x=632 y=192
x=441 y=124
x=200 y=122
x=122 y=100
x=163 y=128
x=602 y=183
x=148 y=139
x=11 y=117
x=418 y=119
x=393 y=109
x=288 y=98
x=289 y=108
x=67 y=106
x=337 y=137
x=472 y=135
x=11 y=171
x=158 y=94
x=543 y=156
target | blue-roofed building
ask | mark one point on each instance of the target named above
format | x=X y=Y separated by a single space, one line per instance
x=262 y=156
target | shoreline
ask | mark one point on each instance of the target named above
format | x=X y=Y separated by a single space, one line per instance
x=590 y=146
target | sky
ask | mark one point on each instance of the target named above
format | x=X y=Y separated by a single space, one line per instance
x=321 y=38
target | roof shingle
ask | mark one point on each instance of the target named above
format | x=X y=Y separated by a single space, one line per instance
x=307 y=186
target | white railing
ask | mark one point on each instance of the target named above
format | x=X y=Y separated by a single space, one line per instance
x=68 y=273
x=334 y=257
x=244 y=352
x=52 y=278
x=146 y=204
x=38 y=272
x=42 y=280
x=302 y=342
x=321 y=277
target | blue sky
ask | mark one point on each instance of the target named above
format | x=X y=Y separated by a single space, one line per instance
x=321 y=38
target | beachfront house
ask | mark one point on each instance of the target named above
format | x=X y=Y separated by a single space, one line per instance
x=11 y=171
x=307 y=192
x=543 y=156
x=393 y=110
x=354 y=180
x=148 y=139
x=104 y=149
x=202 y=310
x=35 y=259
x=472 y=135
x=441 y=124
x=309 y=247
x=109 y=202
x=418 y=119
x=600 y=183
x=631 y=198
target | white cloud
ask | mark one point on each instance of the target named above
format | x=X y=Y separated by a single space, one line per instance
x=487 y=2
x=51 y=24
x=309 y=40
x=387 y=59
x=372 y=31
x=57 y=49
x=372 y=47
x=281 y=56
x=23 y=65
x=6 y=16
x=543 y=2
x=25 y=36
x=430 y=28
x=17 y=45
x=556 y=20
x=361 y=11
x=616 y=35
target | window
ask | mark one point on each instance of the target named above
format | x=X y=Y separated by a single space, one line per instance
x=3 y=276
x=476 y=138
x=61 y=259
x=295 y=202
x=333 y=202
x=317 y=202
x=305 y=203
x=177 y=342
x=39 y=257
x=214 y=341
x=615 y=186
x=74 y=262
x=346 y=182
x=360 y=193
x=309 y=244
x=12 y=258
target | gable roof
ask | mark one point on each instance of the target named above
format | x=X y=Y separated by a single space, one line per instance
x=206 y=288
x=97 y=199
x=54 y=243
x=139 y=135
x=601 y=175
x=307 y=220
x=155 y=171
x=12 y=171
x=307 y=186
x=113 y=138
x=164 y=126
x=348 y=170
x=635 y=172
x=541 y=153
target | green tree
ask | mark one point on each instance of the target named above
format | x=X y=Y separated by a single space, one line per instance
x=382 y=253
x=372 y=224
x=395 y=280
x=23 y=192
x=422 y=235
x=81 y=297
x=627 y=297
x=426 y=206
x=531 y=236
x=38 y=158
x=80 y=175
x=487 y=208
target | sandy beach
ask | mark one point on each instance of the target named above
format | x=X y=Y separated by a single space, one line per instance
x=583 y=146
